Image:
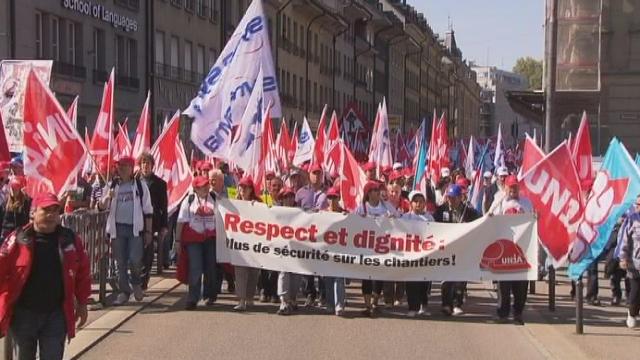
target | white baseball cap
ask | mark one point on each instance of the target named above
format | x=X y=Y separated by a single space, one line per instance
x=445 y=172
x=502 y=171
x=487 y=174
x=397 y=166
x=415 y=193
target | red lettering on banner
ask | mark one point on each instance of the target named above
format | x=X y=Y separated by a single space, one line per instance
x=234 y=223
x=299 y=235
x=286 y=232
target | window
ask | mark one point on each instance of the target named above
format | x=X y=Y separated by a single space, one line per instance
x=189 y=5
x=315 y=94
x=98 y=49
x=200 y=59
x=213 y=11
x=295 y=33
x=132 y=52
x=315 y=44
x=55 y=38
x=159 y=51
x=188 y=54
x=177 y=3
x=284 y=27
x=302 y=36
x=287 y=84
x=71 y=42
x=200 y=7
x=321 y=95
x=173 y=59
x=39 y=54
x=121 y=56
x=301 y=91
x=294 y=88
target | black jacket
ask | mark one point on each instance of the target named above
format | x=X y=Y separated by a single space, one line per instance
x=466 y=213
x=11 y=220
x=159 y=201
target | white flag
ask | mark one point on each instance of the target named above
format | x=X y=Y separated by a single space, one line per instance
x=306 y=143
x=225 y=91
x=498 y=159
x=469 y=165
x=246 y=145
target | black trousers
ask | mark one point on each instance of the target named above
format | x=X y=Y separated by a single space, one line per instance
x=309 y=287
x=147 y=262
x=268 y=282
x=417 y=294
x=393 y=290
x=372 y=286
x=634 y=296
x=505 y=290
x=616 y=287
x=453 y=293
x=592 y=283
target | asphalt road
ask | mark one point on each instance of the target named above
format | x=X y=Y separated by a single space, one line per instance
x=165 y=331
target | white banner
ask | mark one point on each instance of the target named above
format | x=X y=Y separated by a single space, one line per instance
x=224 y=93
x=13 y=80
x=334 y=244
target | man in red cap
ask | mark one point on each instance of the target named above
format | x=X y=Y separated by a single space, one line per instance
x=45 y=283
x=511 y=203
x=129 y=226
x=370 y=170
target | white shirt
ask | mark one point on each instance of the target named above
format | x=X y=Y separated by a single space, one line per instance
x=506 y=206
x=383 y=208
x=200 y=214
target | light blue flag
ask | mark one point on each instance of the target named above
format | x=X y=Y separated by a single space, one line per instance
x=615 y=188
x=638 y=159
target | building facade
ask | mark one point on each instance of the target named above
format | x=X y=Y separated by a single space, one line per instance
x=495 y=84
x=339 y=53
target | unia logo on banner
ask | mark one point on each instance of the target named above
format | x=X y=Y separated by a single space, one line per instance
x=606 y=194
x=504 y=255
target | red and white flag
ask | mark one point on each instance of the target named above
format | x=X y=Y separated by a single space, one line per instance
x=553 y=187
x=331 y=163
x=122 y=145
x=531 y=155
x=142 y=142
x=101 y=143
x=172 y=164
x=283 y=147
x=438 y=149
x=319 y=147
x=53 y=149
x=352 y=180
x=582 y=154
x=294 y=142
x=72 y=112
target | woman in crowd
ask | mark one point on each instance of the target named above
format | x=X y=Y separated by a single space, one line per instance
x=288 y=283
x=334 y=286
x=373 y=206
x=15 y=212
x=196 y=234
x=246 y=277
x=418 y=291
x=630 y=261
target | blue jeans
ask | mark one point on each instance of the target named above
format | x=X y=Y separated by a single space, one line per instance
x=31 y=331
x=128 y=250
x=335 y=292
x=202 y=263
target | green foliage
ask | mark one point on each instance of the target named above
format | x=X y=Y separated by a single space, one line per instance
x=531 y=69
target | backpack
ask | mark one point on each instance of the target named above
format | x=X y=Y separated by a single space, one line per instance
x=192 y=197
x=138 y=185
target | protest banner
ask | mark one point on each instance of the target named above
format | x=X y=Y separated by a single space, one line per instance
x=13 y=80
x=347 y=245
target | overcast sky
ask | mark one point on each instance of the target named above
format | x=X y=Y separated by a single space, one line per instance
x=499 y=31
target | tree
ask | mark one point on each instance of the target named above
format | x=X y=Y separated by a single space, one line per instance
x=531 y=69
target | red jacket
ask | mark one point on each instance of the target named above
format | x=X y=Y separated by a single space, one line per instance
x=16 y=258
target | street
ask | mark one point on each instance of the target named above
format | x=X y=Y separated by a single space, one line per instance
x=163 y=330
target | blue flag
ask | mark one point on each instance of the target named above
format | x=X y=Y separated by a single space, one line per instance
x=615 y=188
x=638 y=159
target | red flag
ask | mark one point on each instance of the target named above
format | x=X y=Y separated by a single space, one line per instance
x=53 y=151
x=318 y=150
x=172 y=164
x=72 y=112
x=5 y=155
x=438 y=149
x=553 y=187
x=352 y=180
x=283 y=147
x=582 y=154
x=294 y=142
x=122 y=145
x=102 y=137
x=531 y=155
x=331 y=163
x=142 y=142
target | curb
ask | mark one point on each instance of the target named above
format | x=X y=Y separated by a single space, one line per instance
x=98 y=330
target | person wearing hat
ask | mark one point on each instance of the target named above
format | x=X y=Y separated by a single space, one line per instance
x=16 y=166
x=246 y=278
x=196 y=236
x=417 y=291
x=288 y=283
x=373 y=206
x=370 y=170
x=486 y=192
x=442 y=185
x=15 y=212
x=268 y=279
x=394 y=290
x=511 y=203
x=454 y=210
x=160 y=219
x=497 y=189
x=630 y=261
x=45 y=283
x=334 y=286
x=129 y=226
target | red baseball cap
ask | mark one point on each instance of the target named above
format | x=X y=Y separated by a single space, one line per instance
x=511 y=180
x=286 y=191
x=44 y=200
x=205 y=166
x=333 y=192
x=200 y=181
x=386 y=170
x=371 y=185
x=369 y=166
x=315 y=167
x=126 y=160
x=396 y=175
x=246 y=181
x=270 y=174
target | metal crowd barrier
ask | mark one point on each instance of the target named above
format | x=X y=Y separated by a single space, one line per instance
x=90 y=226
